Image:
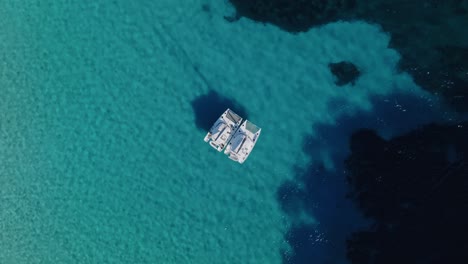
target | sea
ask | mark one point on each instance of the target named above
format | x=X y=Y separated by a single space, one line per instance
x=102 y=158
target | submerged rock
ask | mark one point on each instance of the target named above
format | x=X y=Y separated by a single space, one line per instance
x=293 y=16
x=345 y=72
x=430 y=35
x=414 y=188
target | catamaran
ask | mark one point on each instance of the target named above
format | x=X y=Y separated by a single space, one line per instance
x=243 y=141
x=223 y=129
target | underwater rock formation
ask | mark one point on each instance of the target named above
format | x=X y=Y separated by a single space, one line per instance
x=319 y=189
x=415 y=189
x=430 y=35
x=345 y=72
x=293 y=16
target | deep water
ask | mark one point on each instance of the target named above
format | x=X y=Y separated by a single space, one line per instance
x=104 y=106
x=414 y=187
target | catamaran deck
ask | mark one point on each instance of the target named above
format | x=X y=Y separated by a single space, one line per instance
x=237 y=139
x=243 y=142
x=223 y=129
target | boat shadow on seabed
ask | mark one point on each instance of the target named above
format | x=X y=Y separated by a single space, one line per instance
x=208 y=107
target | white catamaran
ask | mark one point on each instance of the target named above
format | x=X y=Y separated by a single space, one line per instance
x=243 y=141
x=223 y=129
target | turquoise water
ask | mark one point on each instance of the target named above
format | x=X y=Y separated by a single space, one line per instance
x=101 y=161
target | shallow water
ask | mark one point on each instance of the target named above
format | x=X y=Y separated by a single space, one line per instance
x=101 y=157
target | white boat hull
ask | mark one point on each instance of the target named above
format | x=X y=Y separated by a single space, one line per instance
x=242 y=142
x=223 y=129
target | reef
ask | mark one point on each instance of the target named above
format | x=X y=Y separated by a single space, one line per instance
x=429 y=34
x=414 y=188
x=293 y=16
x=345 y=72
x=329 y=188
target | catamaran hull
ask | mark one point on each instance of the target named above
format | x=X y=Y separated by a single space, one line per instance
x=223 y=129
x=243 y=142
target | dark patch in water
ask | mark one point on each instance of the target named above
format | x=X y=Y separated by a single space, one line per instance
x=428 y=34
x=232 y=18
x=307 y=243
x=345 y=72
x=209 y=107
x=320 y=190
x=414 y=193
x=206 y=8
x=292 y=16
